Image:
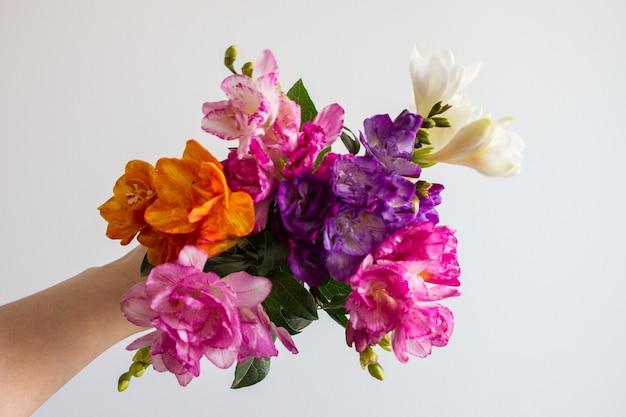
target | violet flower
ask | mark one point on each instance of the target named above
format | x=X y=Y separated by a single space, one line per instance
x=392 y=142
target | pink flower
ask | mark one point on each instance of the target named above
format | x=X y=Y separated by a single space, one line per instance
x=388 y=297
x=256 y=330
x=424 y=249
x=315 y=136
x=195 y=314
x=251 y=107
x=424 y=324
x=255 y=174
x=381 y=294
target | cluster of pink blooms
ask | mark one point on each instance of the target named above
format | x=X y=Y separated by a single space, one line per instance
x=198 y=314
x=397 y=273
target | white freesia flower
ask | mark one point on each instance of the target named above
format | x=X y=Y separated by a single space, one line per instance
x=473 y=140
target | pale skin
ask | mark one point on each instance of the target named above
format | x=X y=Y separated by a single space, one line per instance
x=69 y=324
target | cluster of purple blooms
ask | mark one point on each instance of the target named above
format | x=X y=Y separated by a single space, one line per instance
x=360 y=219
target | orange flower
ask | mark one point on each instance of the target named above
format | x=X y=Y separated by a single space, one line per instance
x=193 y=198
x=132 y=194
x=163 y=247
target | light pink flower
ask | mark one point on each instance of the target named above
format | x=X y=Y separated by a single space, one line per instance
x=194 y=313
x=424 y=249
x=251 y=107
x=424 y=324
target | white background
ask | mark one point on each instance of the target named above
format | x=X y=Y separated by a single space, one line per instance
x=86 y=86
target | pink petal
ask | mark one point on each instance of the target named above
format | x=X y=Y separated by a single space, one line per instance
x=250 y=290
x=192 y=256
x=145 y=340
x=135 y=306
x=330 y=118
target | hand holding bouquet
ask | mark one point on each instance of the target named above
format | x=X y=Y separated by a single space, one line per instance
x=247 y=250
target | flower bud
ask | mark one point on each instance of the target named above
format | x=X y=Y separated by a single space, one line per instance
x=385 y=342
x=229 y=58
x=124 y=381
x=137 y=369
x=143 y=355
x=376 y=371
x=441 y=122
x=368 y=357
x=422 y=138
x=247 y=69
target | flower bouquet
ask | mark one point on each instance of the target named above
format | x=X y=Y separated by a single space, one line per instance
x=250 y=249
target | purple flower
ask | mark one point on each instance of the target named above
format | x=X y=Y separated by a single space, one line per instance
x=392 y=142
x=307 y=262
x=427 y=203
x=357 y=179
x=350 y=235
x=303 y=204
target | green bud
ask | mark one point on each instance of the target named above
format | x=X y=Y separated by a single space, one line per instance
x=247 y=69
x=350 y=141
x=441 y=122
x=143 y=355
x=438 y=109
x=137 y=369
x=229 y=58
x=124 y=381
x=422 y=138
x=427 y=123
x=422 y=187
x=368 y=357
x=385 y=342
x=376 y=371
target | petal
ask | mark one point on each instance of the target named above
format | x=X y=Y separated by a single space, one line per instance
x=330 y=118
x=135 y=306
x=192 y=256
x=251 y=290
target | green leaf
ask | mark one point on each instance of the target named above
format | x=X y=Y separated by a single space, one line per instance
x=272 y=253
x=332 y=297
x=250 y=372
x=293 y=297
x=300 y=95
x=227 y=263
x=275 y=313
x=332 y=288
x=146 y=267
x=321 y=156
x=297 y=324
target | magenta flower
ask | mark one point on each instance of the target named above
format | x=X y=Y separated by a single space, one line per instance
x=424 y=249
x=251 y=107
x=387 y=298
x=256 y=332
x=195 y=314
x=255 y=174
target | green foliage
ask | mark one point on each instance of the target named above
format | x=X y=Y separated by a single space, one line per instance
x=331 y=296
x=250 y=372
x=146 y=267
x=300 y=95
